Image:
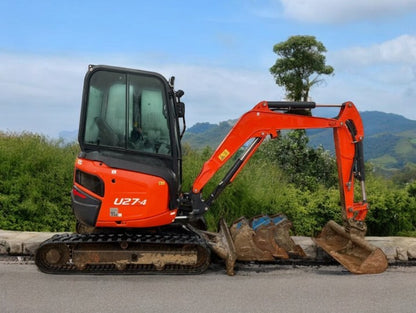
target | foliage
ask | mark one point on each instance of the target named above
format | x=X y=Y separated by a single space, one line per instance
x=263 y=188
x=407 y=175
x=299 y=58
x=36 y=179
x=392 y=208
x=306 y=167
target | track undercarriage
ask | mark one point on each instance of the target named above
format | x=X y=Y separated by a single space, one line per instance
x=174 y=251
x=183 y=249
x=180 y=249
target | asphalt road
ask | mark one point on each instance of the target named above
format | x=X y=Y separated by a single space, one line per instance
x=254 y=289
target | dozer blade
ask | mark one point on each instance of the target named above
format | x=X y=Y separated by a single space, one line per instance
x=352 y=251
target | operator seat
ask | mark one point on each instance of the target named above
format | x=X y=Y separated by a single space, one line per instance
x=154 y=122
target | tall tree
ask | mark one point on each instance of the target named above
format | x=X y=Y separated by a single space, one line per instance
x=299 y=66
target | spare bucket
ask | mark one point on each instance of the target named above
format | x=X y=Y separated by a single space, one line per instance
x=352 y=251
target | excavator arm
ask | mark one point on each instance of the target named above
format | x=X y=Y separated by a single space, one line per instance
x=267 y=119
x=346 y=244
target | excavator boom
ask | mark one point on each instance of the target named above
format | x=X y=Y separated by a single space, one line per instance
x=267 y=119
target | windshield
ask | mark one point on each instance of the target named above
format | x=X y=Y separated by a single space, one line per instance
x=127 y=111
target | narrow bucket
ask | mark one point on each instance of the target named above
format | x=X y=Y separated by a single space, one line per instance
x=222 y=244
x=352 y=251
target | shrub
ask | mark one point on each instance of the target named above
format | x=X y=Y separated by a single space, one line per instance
x=36 y=179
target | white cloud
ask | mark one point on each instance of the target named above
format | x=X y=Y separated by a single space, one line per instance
x=342 y=11
x=39 y=93
x=390 y=63
x=43 y=94
x=380 y=77
x=400 y=50
x=218 y=94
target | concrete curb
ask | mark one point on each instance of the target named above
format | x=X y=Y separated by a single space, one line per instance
x=19 y=243
x=395 y=248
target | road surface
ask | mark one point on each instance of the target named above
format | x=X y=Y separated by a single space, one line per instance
x=254 y=289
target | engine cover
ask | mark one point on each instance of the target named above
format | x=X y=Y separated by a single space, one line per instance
x=128 y=198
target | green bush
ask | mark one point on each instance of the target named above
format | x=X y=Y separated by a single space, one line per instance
x=392 y=207
x=263 y=187
x=35 y=184
x=36 y=179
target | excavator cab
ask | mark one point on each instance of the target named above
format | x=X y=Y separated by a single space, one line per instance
x=128 y=173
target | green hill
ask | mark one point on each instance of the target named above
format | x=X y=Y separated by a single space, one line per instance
x=205 y=134
x=390 y=139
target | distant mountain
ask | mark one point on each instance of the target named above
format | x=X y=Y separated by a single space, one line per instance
x=390 y=139
x=68 y=136
x=389 y=143
x=199 y=128
x=205 y=134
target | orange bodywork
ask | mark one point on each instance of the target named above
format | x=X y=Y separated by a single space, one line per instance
x=136 y=200
x=132 y=199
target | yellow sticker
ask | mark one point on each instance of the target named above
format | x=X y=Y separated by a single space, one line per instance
x=161 y=183
x=224 y=154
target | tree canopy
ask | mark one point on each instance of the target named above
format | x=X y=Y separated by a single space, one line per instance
x=299 y=66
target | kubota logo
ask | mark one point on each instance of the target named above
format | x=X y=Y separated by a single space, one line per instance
x=129 y=201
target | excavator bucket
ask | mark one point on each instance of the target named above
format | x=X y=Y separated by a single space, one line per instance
x=352 y=251
x=282 y=236
x=264 y=238
x=222 y=244
x=265 y=229
x=250 y=247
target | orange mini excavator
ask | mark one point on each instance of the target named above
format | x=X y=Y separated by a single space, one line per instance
x=132 y=214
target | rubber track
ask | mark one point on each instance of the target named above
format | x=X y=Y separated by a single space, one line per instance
x=163 y=240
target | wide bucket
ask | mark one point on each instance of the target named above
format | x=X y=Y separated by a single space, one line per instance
x=352 y=251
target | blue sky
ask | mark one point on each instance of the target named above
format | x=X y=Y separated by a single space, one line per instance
x=219 y=51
